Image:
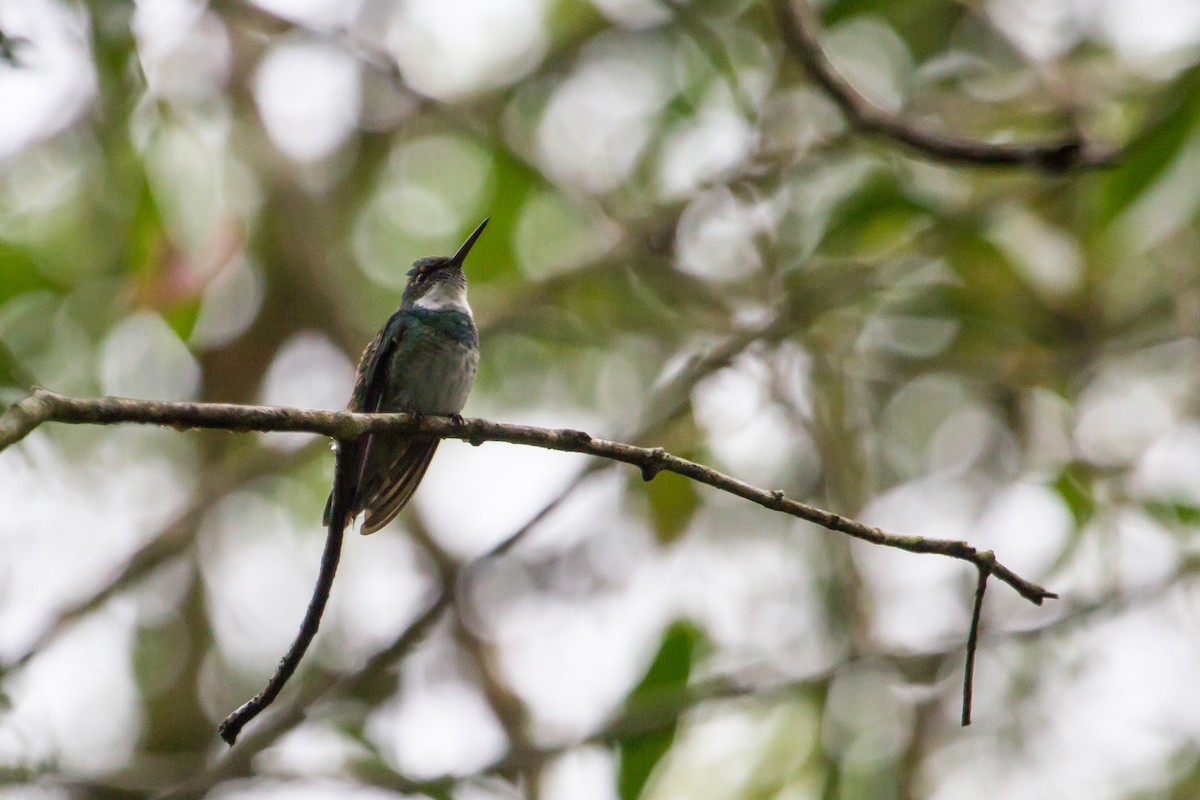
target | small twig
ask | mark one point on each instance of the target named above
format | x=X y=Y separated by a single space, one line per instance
x=985 y=570
x=22 y=417
x=798 y=27
x=233 y=724
x=238 y=762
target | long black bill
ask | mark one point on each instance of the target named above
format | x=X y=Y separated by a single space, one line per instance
x=461 y=255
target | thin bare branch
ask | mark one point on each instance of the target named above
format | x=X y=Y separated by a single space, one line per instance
x=21 y=418
x=44 y=406
x=232 y=725
x=973 y=637
x=798 y=26
x=348 y=425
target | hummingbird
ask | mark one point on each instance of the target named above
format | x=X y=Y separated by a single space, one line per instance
x=422 y=361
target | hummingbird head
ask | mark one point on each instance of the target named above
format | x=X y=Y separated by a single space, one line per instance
x=438 y=281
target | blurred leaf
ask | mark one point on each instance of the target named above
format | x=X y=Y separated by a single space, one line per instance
x=145 y=240
x=1074 y=486
x=1008 y=335
x=19 y=271
x=640 y=753
x=1173 y=513
x=1185 y=783
x=182 y=317
x=568 y=20
x=1148 y=157
x=673 y=502
x=12 y=372
x=878 y=217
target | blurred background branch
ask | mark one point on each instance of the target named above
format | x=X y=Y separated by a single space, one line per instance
x=799 y=30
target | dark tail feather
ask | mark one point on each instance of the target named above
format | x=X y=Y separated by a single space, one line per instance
x=409 y=469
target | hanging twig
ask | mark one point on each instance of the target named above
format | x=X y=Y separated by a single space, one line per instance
x=232 y=725
x=985 y=570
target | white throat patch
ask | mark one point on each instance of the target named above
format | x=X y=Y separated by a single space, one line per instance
x=445 y=296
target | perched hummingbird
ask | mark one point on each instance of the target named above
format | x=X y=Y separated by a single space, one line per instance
x=422 y=361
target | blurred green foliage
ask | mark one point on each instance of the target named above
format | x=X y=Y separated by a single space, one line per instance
x=640 y=753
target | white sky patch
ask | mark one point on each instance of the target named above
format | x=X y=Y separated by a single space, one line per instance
x=258 y=574
x=382 y=585
x=1170 y=468
x=87 y=726
x=599 y=120
x=56 y=81
x=308 y=96
x=918 y=603
x=229 y=304
x=571 y=662
x=441 y=727
x=472 y=497
x=1118 y=417
x=1145 y=31
x=291 y=789
x=1043 y=29
x=317 y=13
x=583 y=773
x=1106 y=712
x=433 y=188
x=1048 y=259
x=716 y=236
x=1150 y=29
x=69 y=524
x=142 y=357
x=455 y=47
x=183 y=49
x=702 y=148
x=748 y=433
x=309 y=372
x=1029 y=523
